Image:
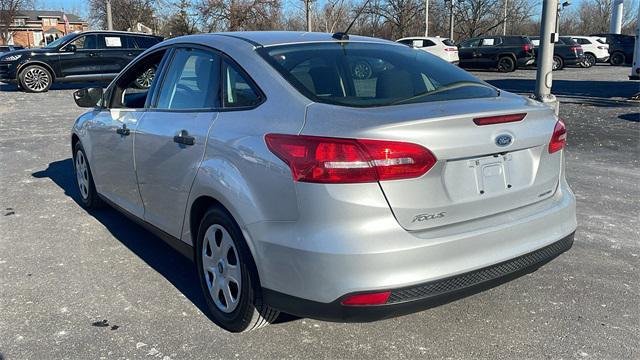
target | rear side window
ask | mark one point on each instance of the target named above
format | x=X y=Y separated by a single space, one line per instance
x=371 y=74
x=470 y=43
x=238 y=91
x=111 y=41
x=192 y=81
x=449 y=42
x=144 y=42
x=510 y=40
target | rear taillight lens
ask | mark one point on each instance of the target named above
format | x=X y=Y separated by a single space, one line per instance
x=576 y=48
x=526 y=47
x=450 y=49
x=378 y=298
x=559 y=137
x=490 y=120
x=335 y=160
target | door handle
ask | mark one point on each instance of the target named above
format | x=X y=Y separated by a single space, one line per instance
x=124 y=130
x=184 y=138
x=130 y=54
x=91 y=54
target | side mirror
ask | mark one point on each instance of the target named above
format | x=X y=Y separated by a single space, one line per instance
x=71 y=48
x=88 y=98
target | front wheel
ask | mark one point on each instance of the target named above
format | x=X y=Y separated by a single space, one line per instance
x=146 y=78
x=506 y=64
x=35 y=78
x=228 y=275
x=89 y=197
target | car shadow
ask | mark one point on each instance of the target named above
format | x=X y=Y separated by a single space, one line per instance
x=6 y=87
x=169 y=263
x=597 y=93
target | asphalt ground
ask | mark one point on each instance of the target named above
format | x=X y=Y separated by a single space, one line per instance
x=64 y=270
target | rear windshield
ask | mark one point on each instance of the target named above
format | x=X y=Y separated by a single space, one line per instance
x=371 y=75
x=449 y=42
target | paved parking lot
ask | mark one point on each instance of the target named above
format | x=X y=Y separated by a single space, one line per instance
x=63 y=270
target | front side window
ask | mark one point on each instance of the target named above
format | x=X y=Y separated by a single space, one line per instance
x=84 y=42
x=132 y=88
x=191 y=82
x=470 y=43
x=370 y=74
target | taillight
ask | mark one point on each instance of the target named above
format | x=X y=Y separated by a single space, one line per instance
x=451 y=49
x=378 y=298
x=336 y=160
x=559 y=137
x=490 y=120
x=576 y=48
x=526 y=47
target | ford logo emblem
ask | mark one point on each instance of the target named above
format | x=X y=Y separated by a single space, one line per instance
x=504 y=140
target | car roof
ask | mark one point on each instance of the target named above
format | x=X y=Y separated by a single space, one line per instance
x=270 y=38
x=116 y=32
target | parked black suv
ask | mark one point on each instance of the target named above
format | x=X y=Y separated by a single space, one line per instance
x=565 y=52
x=505 y=53
x=86 y=56
x=620 y=48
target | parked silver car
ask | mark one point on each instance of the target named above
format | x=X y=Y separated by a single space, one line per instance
x=300 y=187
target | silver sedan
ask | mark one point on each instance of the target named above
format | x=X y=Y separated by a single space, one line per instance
x=298 y=184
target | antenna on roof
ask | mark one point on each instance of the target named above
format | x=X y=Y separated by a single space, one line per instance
x=345 y=35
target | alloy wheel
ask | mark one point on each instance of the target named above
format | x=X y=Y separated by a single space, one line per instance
x=146 y=78
x=82 y=174
x=36 y=79
x=221 y=266
x=362 y=70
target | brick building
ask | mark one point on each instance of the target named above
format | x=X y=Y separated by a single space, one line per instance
x=34 y=28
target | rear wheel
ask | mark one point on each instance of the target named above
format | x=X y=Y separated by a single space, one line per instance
x=145 y=79
x=617 y=59
x=228 y=275
x=589 y=61
x=558 y=63
x=506 y=64
x=35 y=78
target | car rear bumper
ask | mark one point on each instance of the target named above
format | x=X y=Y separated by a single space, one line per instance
x=359 y=246
x=421 y=296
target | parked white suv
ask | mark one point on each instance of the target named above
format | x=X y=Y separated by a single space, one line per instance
x=443 y=48
x=595 y=49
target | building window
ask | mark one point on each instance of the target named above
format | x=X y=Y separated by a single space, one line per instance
x=49 y=22
x=19 y=22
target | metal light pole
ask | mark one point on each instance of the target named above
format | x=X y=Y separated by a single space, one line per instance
x=307 y=4
x=617 y=10
x=451 y=19
x=426 y=18
x=545 y=54
x=635 y=67
x=504 y=18
x=109 y=19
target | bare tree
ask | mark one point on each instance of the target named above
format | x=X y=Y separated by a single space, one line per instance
x=182 y=21
x=126 y=13
x=235 y=15
x=400 y=15
x=8 y=11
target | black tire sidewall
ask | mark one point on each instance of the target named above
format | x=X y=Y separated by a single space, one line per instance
x=511 y=64
x=559 y=61
x=93 y=199
x=239 y=319
x=590 y=60
x=617 y=56
x=26 y=88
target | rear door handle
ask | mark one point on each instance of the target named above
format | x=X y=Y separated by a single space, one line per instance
x=124 y=130
x=184 y=138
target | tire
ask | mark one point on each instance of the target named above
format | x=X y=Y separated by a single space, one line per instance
x=35 y=79
x=89 y=197
x=617 y=59
x=228 y=275
x=506 y=64
x=558 y=63
x=145 y=79
x=589 y=60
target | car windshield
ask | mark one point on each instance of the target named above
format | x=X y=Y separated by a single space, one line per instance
x=59 y=41
x=371 y=74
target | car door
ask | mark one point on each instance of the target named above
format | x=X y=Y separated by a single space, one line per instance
x=488 y=52
x=467 y=52
x=171 y=137
x=80 y=58
x=113 y=50
x=112 y=133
